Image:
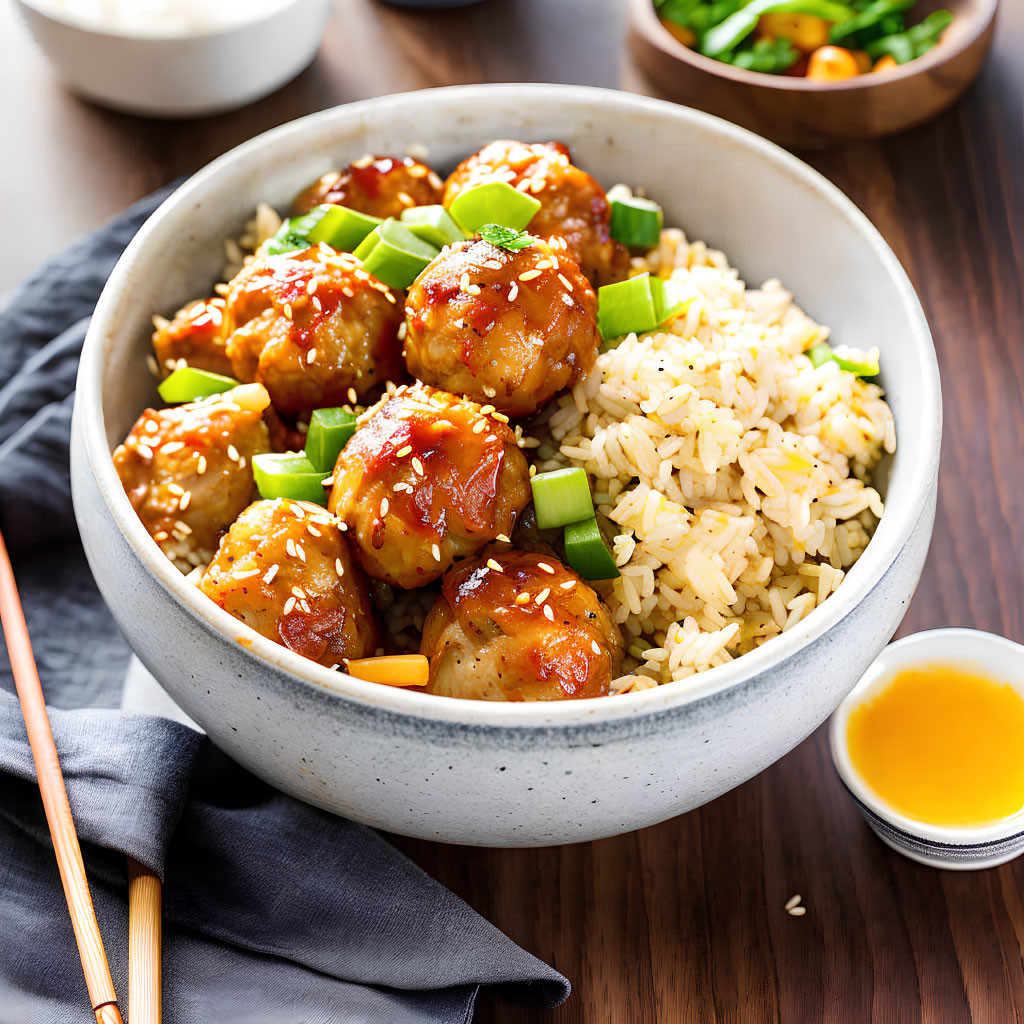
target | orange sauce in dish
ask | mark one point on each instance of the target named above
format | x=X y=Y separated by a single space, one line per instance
x=942 y=744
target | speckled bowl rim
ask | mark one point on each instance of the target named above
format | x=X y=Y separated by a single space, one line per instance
x=938 y=837
x=889 y=539
x=642 y=12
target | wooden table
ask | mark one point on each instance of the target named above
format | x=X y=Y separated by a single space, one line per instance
x=684 y=921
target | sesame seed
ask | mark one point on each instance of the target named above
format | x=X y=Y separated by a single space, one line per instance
x=232 y=453
x=529 y=275
x=473 y=289
x=479 y=426
x=171 y=447
x=793 y=901
x=543 y=265
x=182 y=527
x=797 y=912
x=542 y=596
x=568 y=584
x=184 y=500
x=288 y=310
x=317 y=304
x=312 y=530
x=436 y=552
x=150 y=426
x=352 y=396
x=289 y=546
x=486 y=409
x=241 y=462
x=384 y=506
x=144 y=450
x=304 y=606
x=523 y=598
x=548 y=613
x=268 y=576
x=160 y=535
x=513 y=291
x=339 y=568
x=492 y=564
x=567 y=299
x=201 y=465
x=464 y=282
x=533 y=471
x=402 y=328
x=299 y=593
x=595 y=648
x=245 y=575
x=544 y=567
x=492 y=264
x=417 y=465
x=503 y=538
x=403 y=451
x=489 y=391
x=289 y=605
x=311 y=356
x=301 y=552
x=176 y=489
x=565 y=281
x=500 y=417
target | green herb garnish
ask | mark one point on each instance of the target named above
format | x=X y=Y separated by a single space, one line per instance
x=506 y=238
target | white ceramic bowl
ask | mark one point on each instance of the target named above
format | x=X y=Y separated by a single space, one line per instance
x=499 y=773
x=961 y=849
x=191 y=75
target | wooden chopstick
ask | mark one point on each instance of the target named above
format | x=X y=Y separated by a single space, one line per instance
x=144 y=940
x=55 y=799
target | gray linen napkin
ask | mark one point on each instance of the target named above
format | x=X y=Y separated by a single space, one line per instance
x=273 y=910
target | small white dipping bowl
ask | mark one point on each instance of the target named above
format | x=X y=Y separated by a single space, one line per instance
x=188 y=74
x=961 y=849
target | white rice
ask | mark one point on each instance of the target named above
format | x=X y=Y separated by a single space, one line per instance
x=732 y=473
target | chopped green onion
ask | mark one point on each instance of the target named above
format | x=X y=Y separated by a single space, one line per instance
x=394 y=255
x=636 y=223
x=734 y=29
x=506 y=238
x=587 y=553
x=561 y=497
x=329 y=431
x=637 y=305
x=822 y=353
x=434 y=224
x=494 y=202
x=293 y=233
x=341 y=228
x=187 y=384
x=288 y=476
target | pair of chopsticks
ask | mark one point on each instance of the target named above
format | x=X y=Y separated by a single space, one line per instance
x=144 y=924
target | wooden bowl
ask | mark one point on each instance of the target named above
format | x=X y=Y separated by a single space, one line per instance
x=802 y=113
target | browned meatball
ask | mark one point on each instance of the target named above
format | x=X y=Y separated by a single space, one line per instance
x=187 y=469
x=573 y=204
x=382 y=186
x=195 y=335
x=519 y=626
x=310 y=326
x=508 y=328
x=284 y=568
x=428 y=478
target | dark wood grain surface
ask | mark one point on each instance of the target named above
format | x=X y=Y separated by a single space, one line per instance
x=684 y=921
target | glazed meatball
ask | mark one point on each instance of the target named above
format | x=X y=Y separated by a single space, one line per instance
x=381 y=186
x=187 y=469
x=428 y=478
x=508 y=328
x=519 y=626
x=573 y=204
x=285 y=569
x=195 y=335
x=310 y=326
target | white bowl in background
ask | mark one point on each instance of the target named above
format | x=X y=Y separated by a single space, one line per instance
x=961 y=849
x=185 y=75
x=484 y=772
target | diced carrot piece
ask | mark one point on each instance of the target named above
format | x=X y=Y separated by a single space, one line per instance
x=805 y=31
x=681 y=33
x=392 y=669
x=886 y=63
x=863 y=61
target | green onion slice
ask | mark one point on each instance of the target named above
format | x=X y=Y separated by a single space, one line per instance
x=187 y=384
x=636 y=223
x=587 y=553
x=341 y=228
x=329 y=431
x=288 y=476
x=822 y=353
x=494 y=202
x=293 y=233
x=394 y=255
x=561 y=497
x=434 y=224
x=637 y=305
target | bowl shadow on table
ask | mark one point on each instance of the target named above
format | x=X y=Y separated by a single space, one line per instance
x=696 y=926
x=806 y=114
